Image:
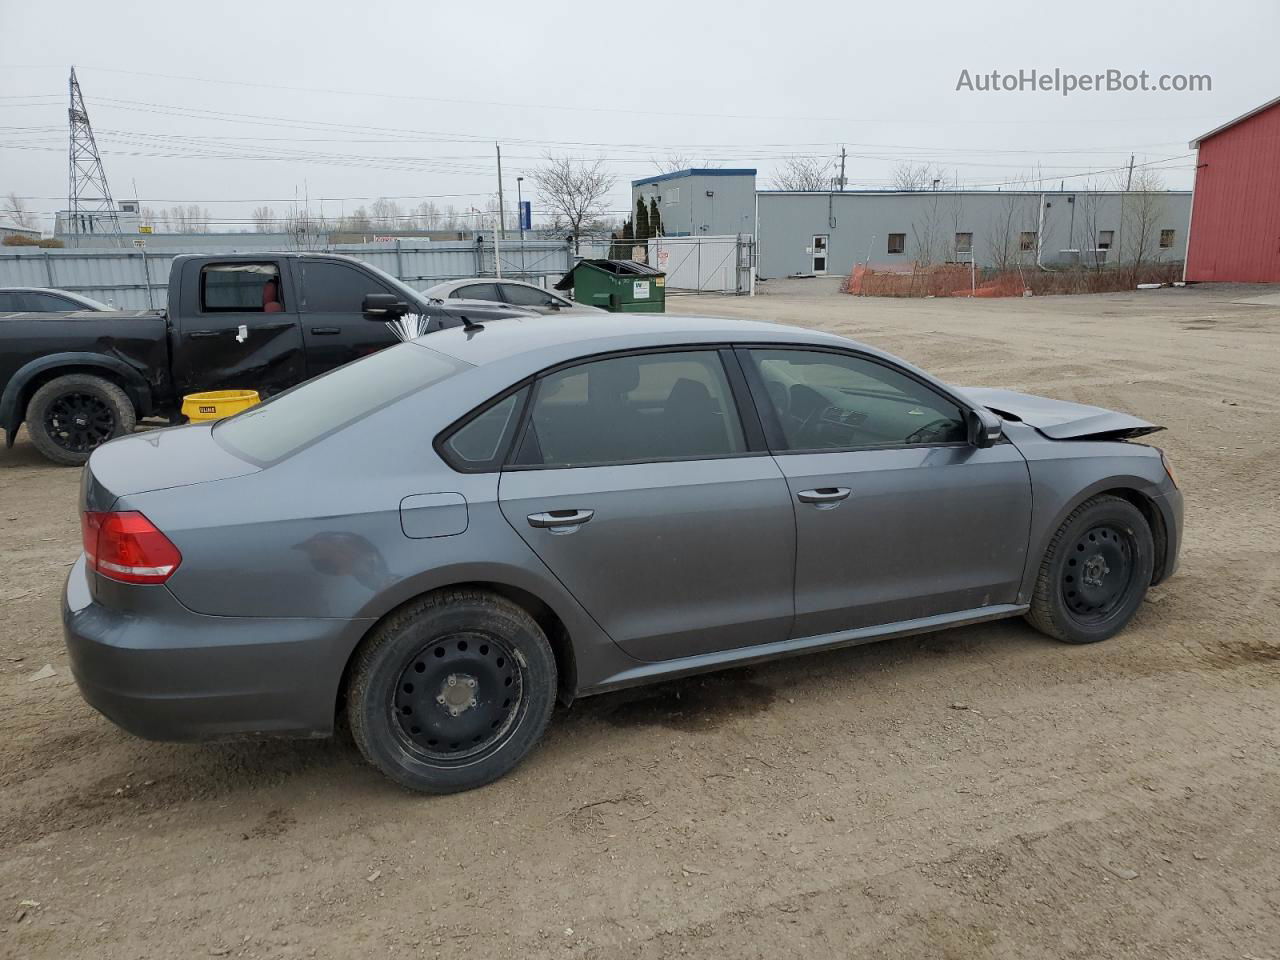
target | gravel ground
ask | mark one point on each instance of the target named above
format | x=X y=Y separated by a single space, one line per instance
x=984 y=792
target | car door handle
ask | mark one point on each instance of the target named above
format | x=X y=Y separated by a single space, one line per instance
x=325 y=331
x=561 y=518
x=831 y=495
x=198 y=334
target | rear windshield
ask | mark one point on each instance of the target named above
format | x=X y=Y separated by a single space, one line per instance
x=283 y=425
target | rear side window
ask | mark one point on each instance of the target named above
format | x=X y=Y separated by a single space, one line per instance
x=241 y=288
x=9 y=303
x=481 y=443
x=663 y=406
x=530 y=296
x=282 y=426
x=332 y=287
x=478 y=291
x=48 y=303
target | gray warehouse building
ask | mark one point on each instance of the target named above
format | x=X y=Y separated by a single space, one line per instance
x=828 y=232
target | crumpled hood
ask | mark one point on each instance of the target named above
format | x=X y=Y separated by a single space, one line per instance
x=1059 y=419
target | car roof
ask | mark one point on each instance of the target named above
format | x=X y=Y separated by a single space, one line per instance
x=545 y=341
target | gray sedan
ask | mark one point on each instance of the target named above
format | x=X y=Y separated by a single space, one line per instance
x=444 y=538
x=515 y=293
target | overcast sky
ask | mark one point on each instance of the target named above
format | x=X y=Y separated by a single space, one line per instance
x=352 y=101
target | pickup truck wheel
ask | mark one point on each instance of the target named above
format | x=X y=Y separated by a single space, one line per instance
x=452 y=691
x=69 y=417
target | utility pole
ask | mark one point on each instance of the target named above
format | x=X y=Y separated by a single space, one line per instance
x=89 y=200
x=520 y=220
x=502 y=213
x=842 y=156
x=1129 y=183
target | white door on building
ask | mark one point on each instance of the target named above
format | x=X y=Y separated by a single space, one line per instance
x=819 y=249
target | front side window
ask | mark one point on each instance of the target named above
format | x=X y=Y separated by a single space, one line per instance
x=836 y=401
x=329 y=286
x=241 y=288
x=663 y=406
x=523 y=296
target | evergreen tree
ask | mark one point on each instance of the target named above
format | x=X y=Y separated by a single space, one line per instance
x=643 y=232
x=655 y=218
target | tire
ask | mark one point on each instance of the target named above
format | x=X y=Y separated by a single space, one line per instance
x=451 y=692
x=71 y=416
x=1095 y=573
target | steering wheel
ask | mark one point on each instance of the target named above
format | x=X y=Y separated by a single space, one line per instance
x=931 y=431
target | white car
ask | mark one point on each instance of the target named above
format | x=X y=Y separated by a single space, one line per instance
x=523 y=296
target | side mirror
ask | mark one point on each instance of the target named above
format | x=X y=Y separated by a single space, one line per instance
x=383 y=306
x=985 y=428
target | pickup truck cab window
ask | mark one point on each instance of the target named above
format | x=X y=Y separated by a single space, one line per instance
x=241 y=288
x=329 y=286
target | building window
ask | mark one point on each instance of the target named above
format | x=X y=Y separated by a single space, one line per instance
x=1105 y=239
x=1166 y=239
x=672 y=196
x=964 y=243
x=1027 y=240
x=897 y=243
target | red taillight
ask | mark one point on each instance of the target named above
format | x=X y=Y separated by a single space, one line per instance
x=127 y=547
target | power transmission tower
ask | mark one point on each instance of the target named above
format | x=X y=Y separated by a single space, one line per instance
x=89 y=202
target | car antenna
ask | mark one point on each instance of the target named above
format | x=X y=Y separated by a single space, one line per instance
x=470 y=325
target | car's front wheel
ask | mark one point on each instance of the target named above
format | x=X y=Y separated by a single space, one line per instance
x=1095 y=573
x=451 y=692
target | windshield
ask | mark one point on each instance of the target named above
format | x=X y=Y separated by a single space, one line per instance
x=269 y=432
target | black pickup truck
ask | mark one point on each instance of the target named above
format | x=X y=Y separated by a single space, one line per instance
x=247 y=321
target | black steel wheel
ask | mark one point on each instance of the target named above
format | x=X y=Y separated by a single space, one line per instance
x=1098 y=572
x=459 y=698
x=71 y=416
x=1095 y=573
x=451 y=691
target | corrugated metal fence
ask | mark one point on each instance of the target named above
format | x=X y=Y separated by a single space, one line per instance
x=138 y=278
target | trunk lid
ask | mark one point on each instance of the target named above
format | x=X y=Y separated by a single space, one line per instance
x=158 y=460
x=1060 y=419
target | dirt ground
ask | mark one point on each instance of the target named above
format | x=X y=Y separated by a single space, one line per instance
x=984 y=792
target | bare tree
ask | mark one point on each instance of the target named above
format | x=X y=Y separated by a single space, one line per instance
x=385 y=214
x=574 y=190
x=428 y=215
x=1141 y=208
x=803 y=173
x=674 y=162
x=264 y=219
x=910 y=176
x=1084 y=226
x=18 y=212
x=1012 y=230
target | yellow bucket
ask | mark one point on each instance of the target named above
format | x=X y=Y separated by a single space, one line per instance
x=217 y=404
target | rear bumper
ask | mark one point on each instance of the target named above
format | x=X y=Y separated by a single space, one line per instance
x=162 y=672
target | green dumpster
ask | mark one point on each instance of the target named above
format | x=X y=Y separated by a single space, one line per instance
x=620 y=286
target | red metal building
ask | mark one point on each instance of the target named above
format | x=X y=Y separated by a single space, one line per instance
x=1235 y=205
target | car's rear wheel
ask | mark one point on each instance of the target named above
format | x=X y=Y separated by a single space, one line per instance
x=71 y=416
x=452 y=691
x=1095 y=573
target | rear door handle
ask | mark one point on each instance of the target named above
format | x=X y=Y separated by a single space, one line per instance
x=325 y=331
x=560 y=518
x=832 y=495
x=198 y=334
